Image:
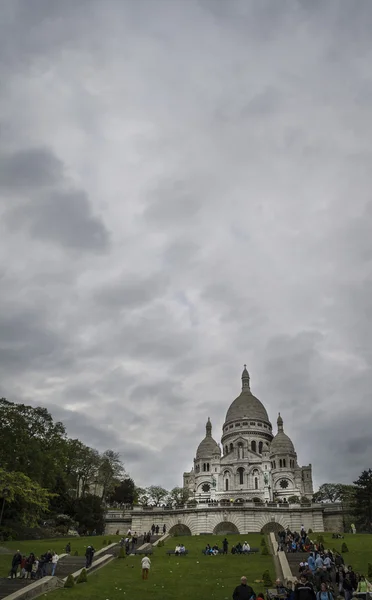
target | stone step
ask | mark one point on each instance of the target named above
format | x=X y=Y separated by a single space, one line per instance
x=9 y=586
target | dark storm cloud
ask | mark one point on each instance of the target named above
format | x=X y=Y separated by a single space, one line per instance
x=185 y=187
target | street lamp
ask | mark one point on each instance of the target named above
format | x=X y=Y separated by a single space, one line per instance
x=5 y=494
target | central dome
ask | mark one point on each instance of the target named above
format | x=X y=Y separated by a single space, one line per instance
x=246 y=405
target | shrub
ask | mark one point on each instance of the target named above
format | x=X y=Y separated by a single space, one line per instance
x=265 y=550
x=320 y=539
x=369 y=570
x=70 y=582
x=266 y=578
x=76 y=553
x=109 y=542
x=121 y=553
x=294 y=500
x=83 y=578
x=310 y=530
x=104 y=542
x=344 y=548
x=263 y=542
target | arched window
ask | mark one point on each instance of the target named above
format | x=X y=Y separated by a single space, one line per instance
x=226 y=485
x=226 y=449
x=260 y=446
x=280 y=463
x=207 y=466
x=256 y=483
x=284 y=462
x=231 y=447
x=241 y=475
x=274 y=464
x=254 y=446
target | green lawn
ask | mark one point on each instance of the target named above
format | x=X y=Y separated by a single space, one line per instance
x=58 y=545
x=192 y=577
x=360 y=549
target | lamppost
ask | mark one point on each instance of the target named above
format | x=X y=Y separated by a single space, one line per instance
x=5 y=493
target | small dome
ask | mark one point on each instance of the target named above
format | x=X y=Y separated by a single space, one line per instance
x=282 y=444
x=208 y=447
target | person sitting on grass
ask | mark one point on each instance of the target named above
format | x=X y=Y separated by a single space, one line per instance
x=243 y=591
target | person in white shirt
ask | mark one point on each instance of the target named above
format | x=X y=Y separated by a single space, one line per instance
x=182 y=549
x=146 y=564
x=55 y=558
x=177 y=550
x=246 y=548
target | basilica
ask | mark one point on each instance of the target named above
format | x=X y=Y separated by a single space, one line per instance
x=251 y=464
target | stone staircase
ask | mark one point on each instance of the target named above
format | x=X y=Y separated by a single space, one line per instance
x=294 y=559
x=9 y=586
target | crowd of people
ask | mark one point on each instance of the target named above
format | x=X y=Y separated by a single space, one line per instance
x=292 y=541
x=33 y=567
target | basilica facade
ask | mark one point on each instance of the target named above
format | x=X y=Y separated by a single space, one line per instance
x=251 y=464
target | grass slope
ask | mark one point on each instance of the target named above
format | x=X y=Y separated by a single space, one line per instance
x=58 y=545
x=194 y=576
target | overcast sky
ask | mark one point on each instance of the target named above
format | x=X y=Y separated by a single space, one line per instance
x=185 y=187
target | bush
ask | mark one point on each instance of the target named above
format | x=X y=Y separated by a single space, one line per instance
x=83 y=578
x=70 y=582
x=263 y=542
x=310 y=530
x=266 y=578
x=369 y=570
x=320 y=539
x=344 y=548
x=76 y=553
x=265 y=550
x=109 y=542
x=294 y=500
x=104 y=543
x=121 y=553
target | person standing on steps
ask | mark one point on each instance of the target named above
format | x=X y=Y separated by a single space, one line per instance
x=243 y=591
x=146 y=564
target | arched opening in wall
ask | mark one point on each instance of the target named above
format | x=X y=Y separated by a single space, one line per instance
x=179 y=529
x=280 y=463
x=225 y=528
x=231 y=447
x=226 y=449
x=241 y=475
x=254 y=446
x=256 y=483
x=260 y=446
x=284 y=462
x=272 y=527
x=226 y=485
x=257 y=500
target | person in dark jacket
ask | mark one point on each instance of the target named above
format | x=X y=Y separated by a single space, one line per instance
x=16 y=561
x=304 y=589
x=225 y=546
x=243 y=591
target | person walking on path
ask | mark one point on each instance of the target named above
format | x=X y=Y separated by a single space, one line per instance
x=146 y=564
x=243 y=591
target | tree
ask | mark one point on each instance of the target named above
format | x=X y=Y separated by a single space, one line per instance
x=32 y=498
x=110 y=470
x=179 y=496
x=142 y=496
x=156 y=494
x=124 y=492
x=334 y=492
x=363 y=501
x=294 y=500
x=82 y=467
x=90 y=513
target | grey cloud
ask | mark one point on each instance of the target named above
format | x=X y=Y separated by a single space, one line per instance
x=65 y=218
x=25 y=169
x=133 y=293
x=174 y=201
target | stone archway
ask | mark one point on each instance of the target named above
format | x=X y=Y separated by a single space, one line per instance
x=179 y=529
x=272 y=527
x=225 y=528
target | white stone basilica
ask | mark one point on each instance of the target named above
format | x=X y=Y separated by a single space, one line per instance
x=254 y=465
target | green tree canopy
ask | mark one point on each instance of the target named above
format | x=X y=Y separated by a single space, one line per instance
x=32 y=499
x=363 y=501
